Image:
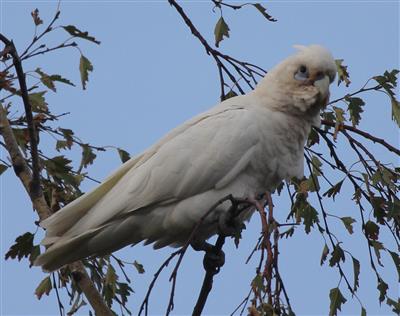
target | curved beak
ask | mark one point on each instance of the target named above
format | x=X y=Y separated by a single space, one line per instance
x=323 y=86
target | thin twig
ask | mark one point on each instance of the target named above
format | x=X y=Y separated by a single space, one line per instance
x=145 y=304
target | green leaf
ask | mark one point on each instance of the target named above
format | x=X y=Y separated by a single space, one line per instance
x=84 y=67
x=312 y=184
x=324 y=255
x=58 y=78
x=394 y=304
x=348 y=221
x=61 y=144
x=328 y=116
x=303 y=210
x=395 y=110
x=378 y=246
x=340 y=119
x=111 y=277
x=393 y=208
x=313 y=138
x=356 y=272
x=334 y=190
x=44 y=287
x=124 y=290
x=392 y=76
x=68 y=135
x=34 y=254
x=221 y=30
x=110 y=285
x=337 y=255
x=337 y=300
x=257 y=283
x=388 y=82
x=342 y=72
x=88 y=156
x=287 y=233
x=339 y=114
x=45 y=79
x=355 y=109
x=263 y=11
x=35 y=16
x=363 y=311
x=229 y=95
x=378 y=203
x=371 y=230
x=123 y=155
x=38 y=101
x=382 y=287
x=396 y=260
x=72 y=30
x=57 y=166
x=310 y=216
x=316 y=165
x=139 y=267
x=48 y=80
x=22 y=248
x=2 y=168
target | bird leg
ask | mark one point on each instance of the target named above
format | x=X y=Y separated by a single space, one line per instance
x=229 y=225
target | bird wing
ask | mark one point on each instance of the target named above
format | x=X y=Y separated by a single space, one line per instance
x=204 y=153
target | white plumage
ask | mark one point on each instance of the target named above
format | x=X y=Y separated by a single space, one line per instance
x=243 y=146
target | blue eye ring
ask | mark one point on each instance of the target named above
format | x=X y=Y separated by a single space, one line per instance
x=301 y=74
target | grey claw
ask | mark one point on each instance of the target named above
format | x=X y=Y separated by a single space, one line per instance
x=228 y=226
x=214 y=260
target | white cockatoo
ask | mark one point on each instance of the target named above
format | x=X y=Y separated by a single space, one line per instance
x=243 y=146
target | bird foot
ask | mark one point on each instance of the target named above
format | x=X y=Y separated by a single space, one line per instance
x=214 y=258
x=229 y=226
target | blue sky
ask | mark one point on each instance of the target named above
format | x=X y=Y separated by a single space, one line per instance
x=150 y=74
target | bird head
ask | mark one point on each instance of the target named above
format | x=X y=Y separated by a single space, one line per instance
x=299 y=85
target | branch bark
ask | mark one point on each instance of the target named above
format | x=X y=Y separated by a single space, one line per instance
x=364 y=134
x=31 y=179
x=34 y=185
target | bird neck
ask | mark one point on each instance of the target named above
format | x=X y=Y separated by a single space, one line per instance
x=277 y=97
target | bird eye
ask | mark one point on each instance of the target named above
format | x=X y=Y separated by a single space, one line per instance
x=301 y=74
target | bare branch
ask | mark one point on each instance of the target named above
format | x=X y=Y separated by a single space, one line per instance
x=243 y=70
x=364 y=134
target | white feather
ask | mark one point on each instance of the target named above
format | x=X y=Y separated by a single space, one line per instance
x=242 y=146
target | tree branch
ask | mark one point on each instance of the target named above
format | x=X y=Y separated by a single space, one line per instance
x=364 y=134
x=208 y=280
x=244 y=70
x=31 y=179
x=20 y=166
x=34 y=186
